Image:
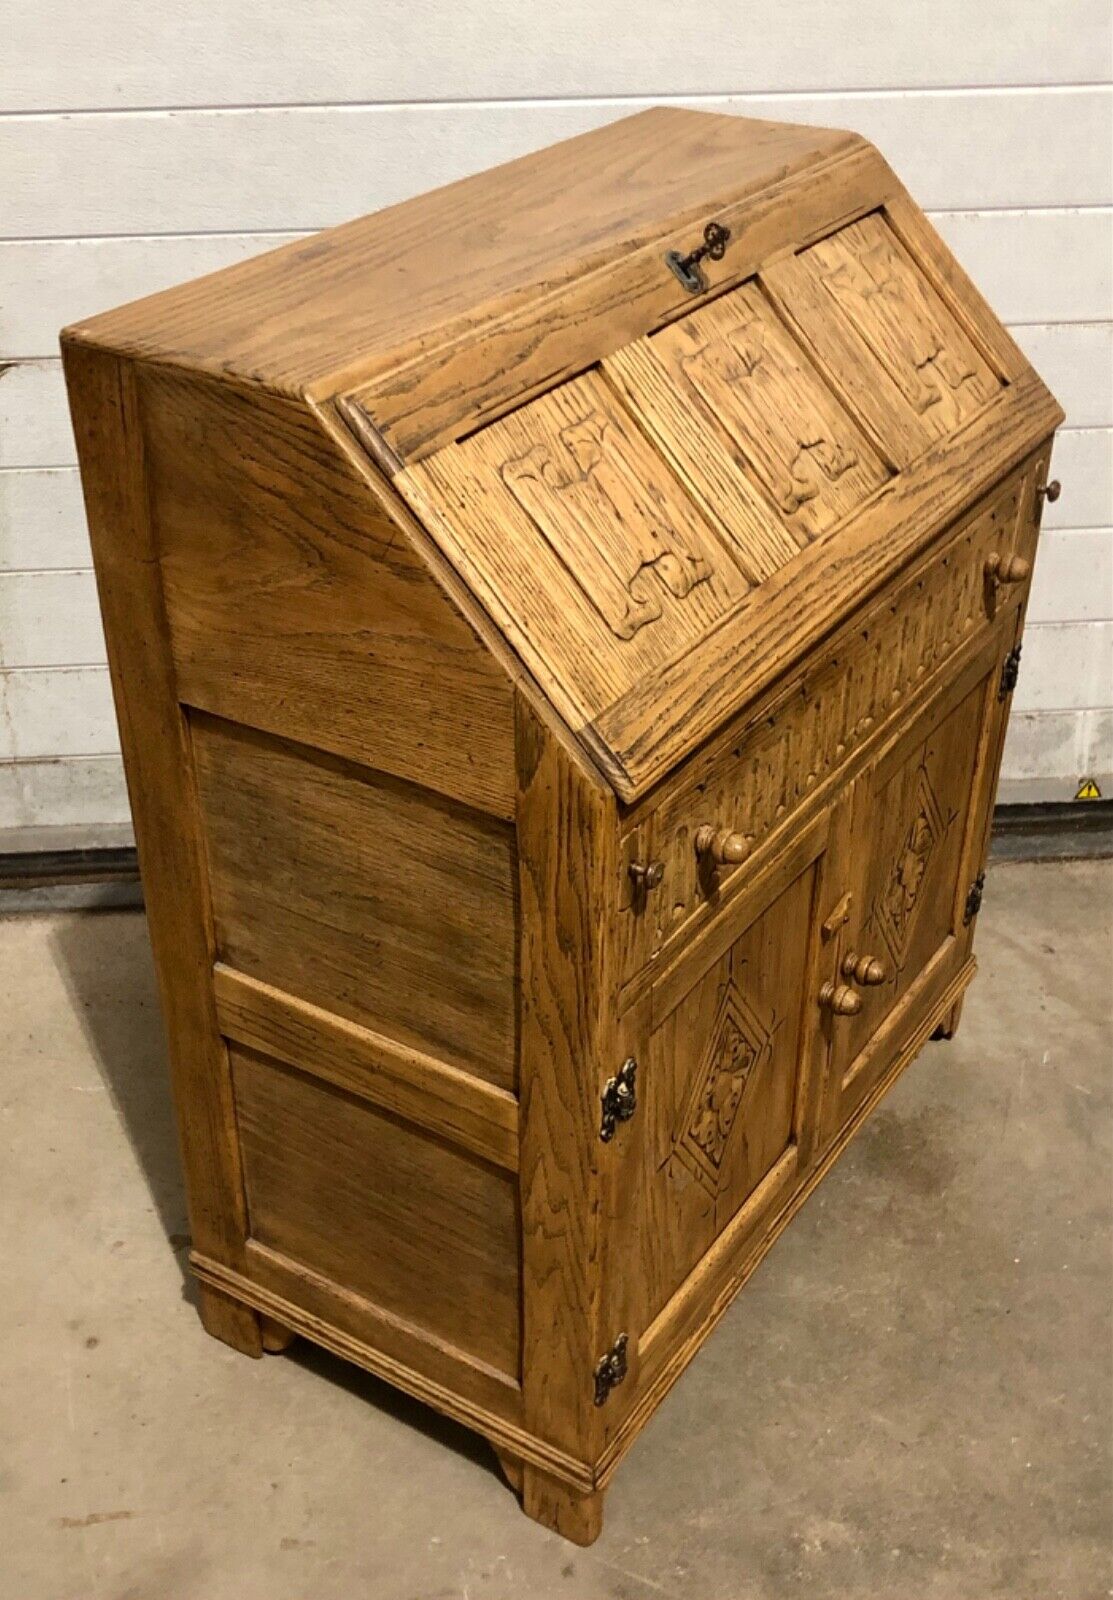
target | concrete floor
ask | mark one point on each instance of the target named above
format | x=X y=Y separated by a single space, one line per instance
x=911 y=1400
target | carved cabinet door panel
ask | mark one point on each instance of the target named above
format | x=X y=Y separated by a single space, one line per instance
x=725 y=1087
x=917 y=830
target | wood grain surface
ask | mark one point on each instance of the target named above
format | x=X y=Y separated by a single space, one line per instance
x=562 y=715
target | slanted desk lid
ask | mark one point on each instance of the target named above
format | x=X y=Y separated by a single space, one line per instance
x=671 y=495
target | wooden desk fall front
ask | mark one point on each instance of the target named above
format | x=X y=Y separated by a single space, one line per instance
x=562 y=630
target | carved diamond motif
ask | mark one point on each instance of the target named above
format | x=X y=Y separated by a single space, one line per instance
x=737 y=1042
x=896 y=906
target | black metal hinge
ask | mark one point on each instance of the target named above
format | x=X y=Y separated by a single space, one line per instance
x=610 y=1370
x=620 y=1098
x=974 y=900
x=1010 y=671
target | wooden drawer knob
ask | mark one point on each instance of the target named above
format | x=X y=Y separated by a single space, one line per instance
x=1007 y=569
x=1051 y=491
x=722 y=846
x=840 y=999
x=865 y=970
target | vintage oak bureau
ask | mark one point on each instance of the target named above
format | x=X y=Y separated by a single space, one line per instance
x=562 y=630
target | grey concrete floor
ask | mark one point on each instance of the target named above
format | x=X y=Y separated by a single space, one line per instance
x=912 y=1399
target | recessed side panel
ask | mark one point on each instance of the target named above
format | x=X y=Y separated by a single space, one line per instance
x=374 y=900
x=425 y=1233
x=296 y=604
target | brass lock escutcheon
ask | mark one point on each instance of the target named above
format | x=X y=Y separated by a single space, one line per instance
x=686 y=269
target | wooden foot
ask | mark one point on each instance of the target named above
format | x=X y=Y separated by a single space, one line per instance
x=556 y=1505
x=511 y=1469
x=949 y=1025
x=230 y=1320
x=275 y=1336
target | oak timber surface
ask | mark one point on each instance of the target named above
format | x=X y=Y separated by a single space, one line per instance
x=292 y=317
x=562 y=711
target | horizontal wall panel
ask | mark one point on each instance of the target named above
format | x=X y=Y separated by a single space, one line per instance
x=153 y=171
x=1097 y=747
x=1044 y=744
x=34 y=419
x=1073 y=581
x=1033 y=267
x=1082 y=460
x=49 y=619
x=45 y=284
x=210 y=53
x=56 y=711
x=1037 y=266
x=1075 y=360
x=68 y=792
x=1048 y=753
x=1066 y=666
x=42 y=520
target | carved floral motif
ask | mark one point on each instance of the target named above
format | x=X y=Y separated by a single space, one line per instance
x=896 y=905
x=737 y=1042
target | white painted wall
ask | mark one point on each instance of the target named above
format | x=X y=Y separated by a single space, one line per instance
x=143 y=144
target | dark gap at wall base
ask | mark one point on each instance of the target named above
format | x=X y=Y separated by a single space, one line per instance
x=1075 y=830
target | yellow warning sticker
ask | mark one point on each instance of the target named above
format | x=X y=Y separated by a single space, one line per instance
x=1088 y=790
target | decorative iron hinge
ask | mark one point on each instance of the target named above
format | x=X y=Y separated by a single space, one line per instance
x=620 y=1098
x=687 y=268
x=610 y=1370
x=974 y=900
x=1010 y=672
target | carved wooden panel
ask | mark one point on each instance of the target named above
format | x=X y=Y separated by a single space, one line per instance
x=721 y=1085
x=740 y=1041
x=580 y=490
x=754 y=387
x=755 y=782
x=576 y=532
x=912 y=806
x=901 y=894
x=902 y=325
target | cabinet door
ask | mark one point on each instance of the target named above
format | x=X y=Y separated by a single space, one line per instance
x=725 y=1090
x=918 y=826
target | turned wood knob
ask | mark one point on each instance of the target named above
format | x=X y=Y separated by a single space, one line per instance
x=840 y=1000
x=1051 y=491
x=646 y=875
x=1007 y=569
x=865 y=970
x=722 y=846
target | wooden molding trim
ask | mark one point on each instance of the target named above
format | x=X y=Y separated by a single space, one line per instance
x=671 y=1369
x=715 y=1263
x=502 y=1434
x=437 y=1097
